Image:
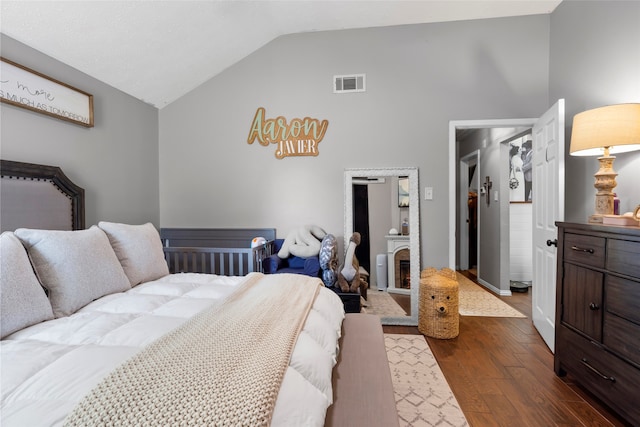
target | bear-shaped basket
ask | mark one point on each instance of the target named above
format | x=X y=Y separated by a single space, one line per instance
x=438 y=314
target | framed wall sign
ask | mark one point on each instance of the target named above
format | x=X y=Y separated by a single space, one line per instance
x=26 y=88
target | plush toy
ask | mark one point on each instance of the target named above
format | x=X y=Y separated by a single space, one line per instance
x=258 y=241
x=349 y=273
x=302 y=242
x=329 y=260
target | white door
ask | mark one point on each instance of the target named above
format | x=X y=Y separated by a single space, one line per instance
x=548 y=207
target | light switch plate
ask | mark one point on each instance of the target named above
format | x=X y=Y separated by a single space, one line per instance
x=428 y=193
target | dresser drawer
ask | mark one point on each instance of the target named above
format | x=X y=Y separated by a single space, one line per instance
x=610 y=378
x=623 y=298
x=584 y=249
x=582 y=300
x=622 y=257
x=622 y=337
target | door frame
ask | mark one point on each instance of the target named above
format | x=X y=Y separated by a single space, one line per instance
x=453 y=159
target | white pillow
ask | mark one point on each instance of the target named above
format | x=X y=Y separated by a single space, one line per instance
x=76 y=267
x=139 y=250
x=22 y=300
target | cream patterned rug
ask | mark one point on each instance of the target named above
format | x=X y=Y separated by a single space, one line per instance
x=423 y=396
x=381 y=304
x=477 y=301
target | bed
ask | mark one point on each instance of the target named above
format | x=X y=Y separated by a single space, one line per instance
x=169 y=348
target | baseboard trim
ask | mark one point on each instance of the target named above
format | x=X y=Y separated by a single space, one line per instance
x=490 y=287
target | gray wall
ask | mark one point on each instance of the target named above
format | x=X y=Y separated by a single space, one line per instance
x=595 y=61
x=419 y=77
x=116 y=162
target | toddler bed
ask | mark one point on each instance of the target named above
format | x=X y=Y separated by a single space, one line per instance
x=120 y=339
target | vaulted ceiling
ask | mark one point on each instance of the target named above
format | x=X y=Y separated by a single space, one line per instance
x=159 y=50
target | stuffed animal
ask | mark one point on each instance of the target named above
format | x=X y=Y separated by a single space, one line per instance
x=329 y=260
x=302 y=242
x=349 y=273
x=258 y=241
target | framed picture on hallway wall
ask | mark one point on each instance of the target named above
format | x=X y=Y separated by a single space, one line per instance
x=520 y=174
x=403 y=192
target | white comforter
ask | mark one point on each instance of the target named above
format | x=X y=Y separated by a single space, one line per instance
x=47 y=368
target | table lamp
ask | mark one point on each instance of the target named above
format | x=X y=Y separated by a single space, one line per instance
x=605 y=131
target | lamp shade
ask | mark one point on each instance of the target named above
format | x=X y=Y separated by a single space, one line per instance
x=613 y=126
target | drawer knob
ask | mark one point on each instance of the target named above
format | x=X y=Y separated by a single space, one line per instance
x=594 y=306
x=585 y=362
x=578 y=249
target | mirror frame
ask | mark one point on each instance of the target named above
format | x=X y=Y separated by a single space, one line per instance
x=414 y=228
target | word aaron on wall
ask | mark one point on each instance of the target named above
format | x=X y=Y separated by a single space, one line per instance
x=300 y=137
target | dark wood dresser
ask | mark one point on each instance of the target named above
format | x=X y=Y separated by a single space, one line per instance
x=598 y=312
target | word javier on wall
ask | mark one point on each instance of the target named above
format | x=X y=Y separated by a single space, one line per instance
x=26 y=88
x=300 y=137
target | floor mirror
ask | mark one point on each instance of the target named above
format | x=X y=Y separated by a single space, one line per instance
x=383 y=205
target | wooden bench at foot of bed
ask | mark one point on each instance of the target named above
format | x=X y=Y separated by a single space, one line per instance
x=363 y=391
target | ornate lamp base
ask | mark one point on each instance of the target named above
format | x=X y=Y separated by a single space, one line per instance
x=605 y=183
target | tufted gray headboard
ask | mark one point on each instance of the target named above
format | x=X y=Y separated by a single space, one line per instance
x=39 y=196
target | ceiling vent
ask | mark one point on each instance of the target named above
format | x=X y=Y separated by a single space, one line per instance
x=350 y=83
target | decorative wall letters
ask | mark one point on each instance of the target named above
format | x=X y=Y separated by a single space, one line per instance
x=300 y=137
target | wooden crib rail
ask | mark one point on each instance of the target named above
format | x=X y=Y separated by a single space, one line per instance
x=222 y=251
x=220 y=261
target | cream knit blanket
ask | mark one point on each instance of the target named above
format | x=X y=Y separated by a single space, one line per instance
x=223 y=367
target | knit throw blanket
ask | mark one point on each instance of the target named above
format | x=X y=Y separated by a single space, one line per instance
x=223 y=367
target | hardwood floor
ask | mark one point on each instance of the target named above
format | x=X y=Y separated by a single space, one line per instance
x=501 y=373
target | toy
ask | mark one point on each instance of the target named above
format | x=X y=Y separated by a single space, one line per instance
x=302 y=242
x=258 y=241
x=329 y=260
x=438 y=315
x=349 y=273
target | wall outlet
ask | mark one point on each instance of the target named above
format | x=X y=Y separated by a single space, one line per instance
x=428 y=193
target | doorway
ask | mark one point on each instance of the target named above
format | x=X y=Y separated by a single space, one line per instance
x=547 y=207
x=482 y=199
x=468 y=212
x=472 y=219
x=361 y=224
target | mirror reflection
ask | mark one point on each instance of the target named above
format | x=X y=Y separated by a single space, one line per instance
x=382 y=205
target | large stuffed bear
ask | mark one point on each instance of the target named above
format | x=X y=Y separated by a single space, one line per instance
x=349 y=272
x=303 y=242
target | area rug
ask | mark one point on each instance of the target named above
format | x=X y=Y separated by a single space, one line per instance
x=423 y=396
x=381 y=304
x=476 y=301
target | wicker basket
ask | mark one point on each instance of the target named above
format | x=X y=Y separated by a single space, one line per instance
x=438 y=315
